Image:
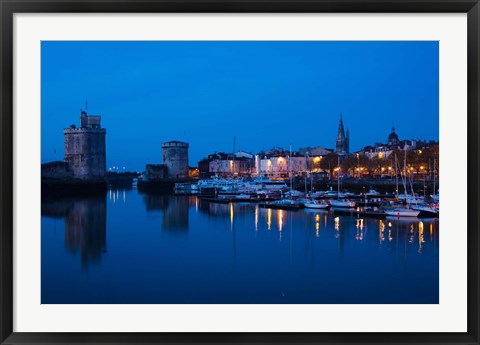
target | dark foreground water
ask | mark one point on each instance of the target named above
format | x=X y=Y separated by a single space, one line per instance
x=134 y=248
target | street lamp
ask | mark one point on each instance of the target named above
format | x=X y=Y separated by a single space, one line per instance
x=358 y=169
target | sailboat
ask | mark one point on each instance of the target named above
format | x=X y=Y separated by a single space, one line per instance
x=435 y=196
x=341 y=202
x=288 y=202
x=322 y=205
x=401 y=211
x=429 y=209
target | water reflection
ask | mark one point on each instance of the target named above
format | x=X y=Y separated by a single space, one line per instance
x=280 y=215
x=269 y=218
x=359 y=226
x=85 y=225
x=176 y=217
x=174 y=211
x=238 y=253
x=117 y=195
x=381 y=229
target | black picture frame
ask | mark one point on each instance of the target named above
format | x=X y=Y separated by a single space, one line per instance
x=9 y=7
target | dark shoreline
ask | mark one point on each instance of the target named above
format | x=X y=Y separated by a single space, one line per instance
x=71 y=187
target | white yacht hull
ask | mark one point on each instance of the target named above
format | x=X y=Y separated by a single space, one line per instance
x=319 y=206
x=342 y=203
x=402 y=212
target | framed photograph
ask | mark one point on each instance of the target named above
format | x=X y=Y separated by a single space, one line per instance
x=239 y=172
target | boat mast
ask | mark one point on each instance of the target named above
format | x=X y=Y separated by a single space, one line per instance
x=306 y=177
x=434 y=175
x=338 y=177
x=405 y=174
x=233 y=165
x=396 y=177
x=311 y=183
x=291 y=175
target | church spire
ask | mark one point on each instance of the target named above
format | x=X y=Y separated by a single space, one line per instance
x=341 y=131
x=342 y=141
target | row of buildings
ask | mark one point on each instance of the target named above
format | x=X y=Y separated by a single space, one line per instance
x=279 y=163
x=85 y=156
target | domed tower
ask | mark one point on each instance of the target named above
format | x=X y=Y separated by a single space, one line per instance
x=393 y=138
x=175 y=158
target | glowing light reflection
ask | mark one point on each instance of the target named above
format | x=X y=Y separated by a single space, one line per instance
x=421 y=238
x=269 y=218
x=381 y=228
x=280 y=220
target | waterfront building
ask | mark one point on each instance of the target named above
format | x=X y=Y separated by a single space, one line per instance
x=227 y=164
x=315 y=151
x=56 y=170
x=155 y=172
x=175 y=158
x=204 y=169
x=342 y=147
x=85 y=148
x=282 y=164
x=381 y=150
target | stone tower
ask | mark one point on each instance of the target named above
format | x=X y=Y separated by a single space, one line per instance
x=343 y=141
x=175 y=158
x=85 y=148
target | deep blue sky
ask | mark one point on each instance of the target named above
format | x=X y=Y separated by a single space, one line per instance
x=265 y=94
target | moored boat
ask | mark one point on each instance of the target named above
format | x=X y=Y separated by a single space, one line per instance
x=372 y=192
x=316 y=204
x=402 y=212
x=343 y=203
x=284 y=204
x=426 y=210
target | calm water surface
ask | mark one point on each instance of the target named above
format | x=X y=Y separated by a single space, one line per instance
x=137 y=248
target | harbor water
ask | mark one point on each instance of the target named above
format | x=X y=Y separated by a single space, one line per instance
x=129 y=247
